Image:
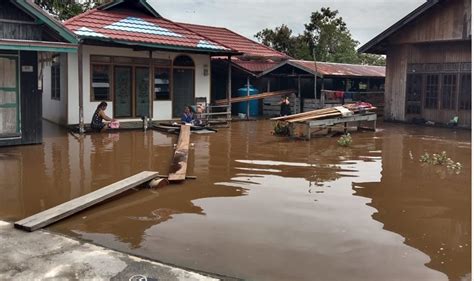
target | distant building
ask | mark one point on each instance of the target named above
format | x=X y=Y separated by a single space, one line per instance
x=428 y=73
x=27 y=36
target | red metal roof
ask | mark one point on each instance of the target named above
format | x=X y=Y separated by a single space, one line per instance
x=235 y=41
x=255 y=66
x=134 y=27
x=339 y=69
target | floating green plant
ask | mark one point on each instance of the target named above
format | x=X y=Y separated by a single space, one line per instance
x=345 y=140
x=441 y=159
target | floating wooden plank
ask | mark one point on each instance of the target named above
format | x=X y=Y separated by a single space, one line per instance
x=180 y=159
x=256 y=97
x=73 y=206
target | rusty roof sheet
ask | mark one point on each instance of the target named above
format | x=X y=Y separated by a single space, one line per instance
x=332 y=69
x=341 y=69
x=255 y=66
x=134 y=27
x=235 y=41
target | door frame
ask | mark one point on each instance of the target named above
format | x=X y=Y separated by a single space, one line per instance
x=193 y=68
x=18 y=133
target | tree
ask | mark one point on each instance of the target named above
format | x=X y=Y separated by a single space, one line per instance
x=65 y=9
x=326 y=34
x=282 y=39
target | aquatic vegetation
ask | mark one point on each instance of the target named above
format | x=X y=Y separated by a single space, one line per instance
x=345 y=140
x=441 y=159
x=281 y=129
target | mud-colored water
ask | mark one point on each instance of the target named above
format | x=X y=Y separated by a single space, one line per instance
x=263 y=207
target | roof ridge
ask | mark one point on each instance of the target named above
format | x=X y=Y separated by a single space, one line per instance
x=199 y=34
x=195 y=24
x=81 y=15
x=329 y=62
x=263 y=45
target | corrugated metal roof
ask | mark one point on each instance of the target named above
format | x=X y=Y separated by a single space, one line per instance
x=235 y=41
x=134 y=27
x=255 y=66
x=341 y=69
x=332 y=69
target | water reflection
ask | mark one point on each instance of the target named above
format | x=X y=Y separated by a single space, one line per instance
x=429 y=206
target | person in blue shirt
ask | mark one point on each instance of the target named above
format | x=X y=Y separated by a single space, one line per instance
x=188 y=115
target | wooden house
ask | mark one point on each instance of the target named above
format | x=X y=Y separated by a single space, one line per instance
x=26 y=33
x=428 y=76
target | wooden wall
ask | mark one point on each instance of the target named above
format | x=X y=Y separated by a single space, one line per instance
x=395 y=80
x=30 y=100
x=15 y=24
x=398 y=58
x=451 y=20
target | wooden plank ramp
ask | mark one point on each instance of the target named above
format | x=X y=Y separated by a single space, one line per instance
x=76 y=205
x=179 y=163
x=256 y=97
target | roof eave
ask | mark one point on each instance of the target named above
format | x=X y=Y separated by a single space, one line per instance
x=370 y=47
x=163 y=47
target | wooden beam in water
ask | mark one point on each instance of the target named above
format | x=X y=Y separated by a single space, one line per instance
x=180 y=158
x=73 y=206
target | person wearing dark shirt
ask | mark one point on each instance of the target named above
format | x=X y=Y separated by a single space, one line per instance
x=98 y=123
x=285 y=107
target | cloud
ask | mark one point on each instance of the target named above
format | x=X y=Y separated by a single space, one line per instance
x=365 y=19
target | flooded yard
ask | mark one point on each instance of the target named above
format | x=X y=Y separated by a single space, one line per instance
x=263 y=207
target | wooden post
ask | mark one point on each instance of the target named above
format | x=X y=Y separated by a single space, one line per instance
x=80 y=89
x=299 y=92
x=248 y=94
x=347 y=89
x=315 y=77
x=323 y=95
x=151 y=85
x=268 y=85
x=229 y=86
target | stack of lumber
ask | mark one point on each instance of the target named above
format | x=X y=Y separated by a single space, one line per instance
x=255 y=97
x=324 y=113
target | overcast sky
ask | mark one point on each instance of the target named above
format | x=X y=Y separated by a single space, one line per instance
x=365 y=18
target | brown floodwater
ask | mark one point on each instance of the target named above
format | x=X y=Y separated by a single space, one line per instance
x=263 y=207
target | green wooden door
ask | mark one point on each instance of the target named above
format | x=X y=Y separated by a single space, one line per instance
x=123 y=91
x=9 y=97
x=142 y=92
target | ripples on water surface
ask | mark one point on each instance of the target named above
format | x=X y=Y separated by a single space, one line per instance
x=263 y=207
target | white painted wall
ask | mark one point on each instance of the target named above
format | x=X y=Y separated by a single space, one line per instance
x=56 y=110
x=162 y=110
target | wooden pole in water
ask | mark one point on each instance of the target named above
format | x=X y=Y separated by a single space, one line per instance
x=80 y=89
x=248 y=95
x=229 y=85
x=151 y=91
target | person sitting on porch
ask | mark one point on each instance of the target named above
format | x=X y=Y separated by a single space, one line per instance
x=188 y=115
x=285 y=106
x=98 y=123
